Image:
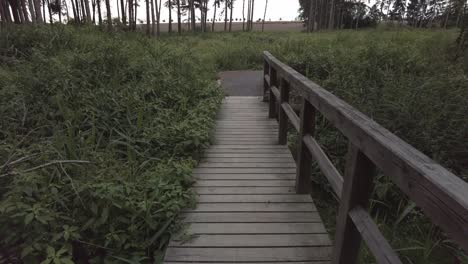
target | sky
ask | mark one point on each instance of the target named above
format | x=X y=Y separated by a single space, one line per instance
x=286 y=10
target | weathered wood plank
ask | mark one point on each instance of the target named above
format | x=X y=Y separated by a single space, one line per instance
x=254 y=207
x=256 y=228
x=287 y=159
x=251 y=217
x=244 y=183
x=256 y=198
x=376 y=242
x=244 y=190
x=246 y=165
x=267 y=176
x=286 y=154
x=248 y=151
x=277 y=240
x=218 y=255
x=245 y=170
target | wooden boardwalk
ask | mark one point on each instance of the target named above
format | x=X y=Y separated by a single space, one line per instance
x=248 y=210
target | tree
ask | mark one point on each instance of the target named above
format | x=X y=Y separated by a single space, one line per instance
x=98 y=3
x=225 y=14
x=264 y=16
x=148 y=18
x=169 y=7
x=243 y=15
x=179 y=18
x=123 y=12
x=109 y=16
x=216 y=4
x=230 y=17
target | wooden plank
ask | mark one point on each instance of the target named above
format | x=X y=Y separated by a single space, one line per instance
x=356 y=192
x=267 y=176
x=251 y=217
x=242 y=241
x=293 y=118
x=245 y=170
x=218 y=255
x=254 y=207
x=248 y=151
x=258 y=142
x=244 y=183
x=244 y=190
x=440 y=193
x=256 y=198
x=248 y=147
x=304 y=159
x=282 y=117
x=248 y=159
x=286 y=154
x=256 y=228
x=246 y=165
x=326 y=166
x=376 y=242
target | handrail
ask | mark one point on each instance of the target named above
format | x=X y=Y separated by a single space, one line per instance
x=439 y=193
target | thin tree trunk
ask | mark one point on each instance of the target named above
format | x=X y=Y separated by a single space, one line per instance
x=31 y=11
x=148 y=18
x=77 y=6
x=331 y=20
x=99 y=12
x=179 y=19
x=25 y=11
x=60 y=12
x=153 y=18
x=122 y=11
x=252 y=15
x=158 y=19
x=83 y=11
x=225 y=14
x=109 y=16
x=170 y=16
x=192 y=15
x=230 y=17
x=264 y=16
x=66 y=9
x=88 y=11
x=214 y=17
x=243 y=15
x=37 y=9
x=51 y=20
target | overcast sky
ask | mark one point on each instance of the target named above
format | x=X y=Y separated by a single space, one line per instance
x=284 y=9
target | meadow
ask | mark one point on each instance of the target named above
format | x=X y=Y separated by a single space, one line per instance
x=99 y=132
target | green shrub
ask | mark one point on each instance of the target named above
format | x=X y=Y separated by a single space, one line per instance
x=99 y=134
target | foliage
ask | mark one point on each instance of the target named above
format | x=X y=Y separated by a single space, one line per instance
x=99 y=134
x=116 y=122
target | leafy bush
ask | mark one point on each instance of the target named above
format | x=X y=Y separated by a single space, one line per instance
x=99 y=134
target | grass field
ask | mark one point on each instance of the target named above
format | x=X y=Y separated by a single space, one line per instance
x=99 y=132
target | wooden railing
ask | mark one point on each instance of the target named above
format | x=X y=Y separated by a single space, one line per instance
x=440 y=194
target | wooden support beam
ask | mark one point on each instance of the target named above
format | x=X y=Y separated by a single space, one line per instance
x=356 y=191
x=272 y=102
x=304 y=167
x=283 y=118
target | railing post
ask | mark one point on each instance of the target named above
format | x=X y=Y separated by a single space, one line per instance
x=272 y=102
x=357 y=188
x=266 y=87
x=283 y=118
x=304 y=166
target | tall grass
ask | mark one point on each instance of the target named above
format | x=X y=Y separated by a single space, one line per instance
x=99 y=133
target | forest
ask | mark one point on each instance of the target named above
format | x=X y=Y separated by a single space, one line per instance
x=104 y=117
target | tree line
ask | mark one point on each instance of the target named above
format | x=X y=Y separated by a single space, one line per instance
x=91 y=12
x=338 y=14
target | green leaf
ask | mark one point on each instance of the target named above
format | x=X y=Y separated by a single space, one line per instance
x=26 y=251
x=29 y=217
x=50 y=251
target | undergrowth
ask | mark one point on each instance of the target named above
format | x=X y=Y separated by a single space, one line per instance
x=99 y=134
